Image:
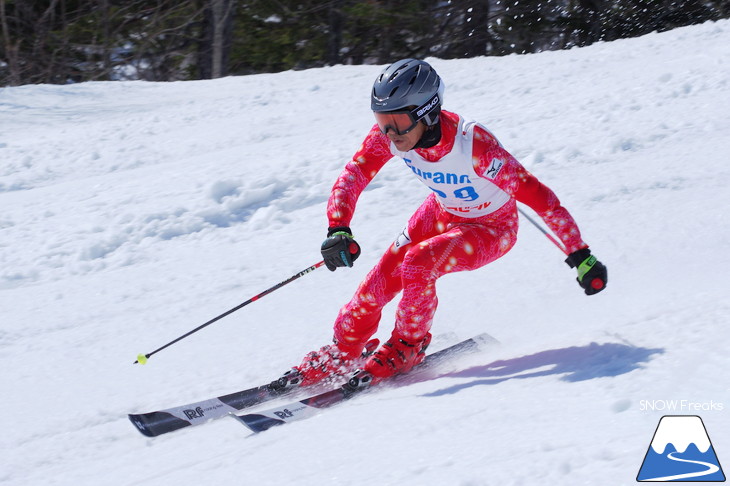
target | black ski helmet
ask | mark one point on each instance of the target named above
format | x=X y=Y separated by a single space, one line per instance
x=409 y=84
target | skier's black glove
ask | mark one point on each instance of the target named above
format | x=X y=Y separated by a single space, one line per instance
x=592 y=275
x=339 y=249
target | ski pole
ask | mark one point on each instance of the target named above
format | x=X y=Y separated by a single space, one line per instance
x=142 y=358
x=543 y=230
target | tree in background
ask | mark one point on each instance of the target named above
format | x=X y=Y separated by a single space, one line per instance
x=275 y=36
x=66 y=41
x=216 y=38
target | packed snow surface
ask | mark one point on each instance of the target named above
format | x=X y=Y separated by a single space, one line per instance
x=132 y=212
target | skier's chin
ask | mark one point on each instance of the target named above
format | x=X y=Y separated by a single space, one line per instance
x=402 y=144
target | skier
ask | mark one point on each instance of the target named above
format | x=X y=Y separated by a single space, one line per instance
x=467 y=221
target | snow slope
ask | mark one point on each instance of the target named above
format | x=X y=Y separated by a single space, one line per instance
x=132 y=212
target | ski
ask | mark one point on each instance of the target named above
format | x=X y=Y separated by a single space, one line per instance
x=294 y=411
x=161 y=422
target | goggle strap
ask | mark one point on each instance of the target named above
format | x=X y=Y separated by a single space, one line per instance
x=426 y=108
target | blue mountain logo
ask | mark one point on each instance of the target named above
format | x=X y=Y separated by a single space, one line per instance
x=681 y=451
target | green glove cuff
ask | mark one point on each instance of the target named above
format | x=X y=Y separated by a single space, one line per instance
x=585 y=266
x=339 y=230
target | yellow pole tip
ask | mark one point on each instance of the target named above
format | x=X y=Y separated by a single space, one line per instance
x=142 y=359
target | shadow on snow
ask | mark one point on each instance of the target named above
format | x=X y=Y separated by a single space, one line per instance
x=576 y=363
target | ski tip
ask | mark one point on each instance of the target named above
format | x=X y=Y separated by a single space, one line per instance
x=486 y=339
x=156 y=423
x=141 y=425
x=257 y=423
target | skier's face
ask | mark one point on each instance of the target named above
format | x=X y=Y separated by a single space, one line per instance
x=408 y=140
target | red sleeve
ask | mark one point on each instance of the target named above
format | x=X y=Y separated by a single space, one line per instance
x=357 y=174
x=516 y=181
x=546 y=204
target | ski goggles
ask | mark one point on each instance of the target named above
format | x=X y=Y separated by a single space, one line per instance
x=403 y=121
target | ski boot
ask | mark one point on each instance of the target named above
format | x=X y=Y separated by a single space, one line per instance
x=396 y=356
x=325 y=365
